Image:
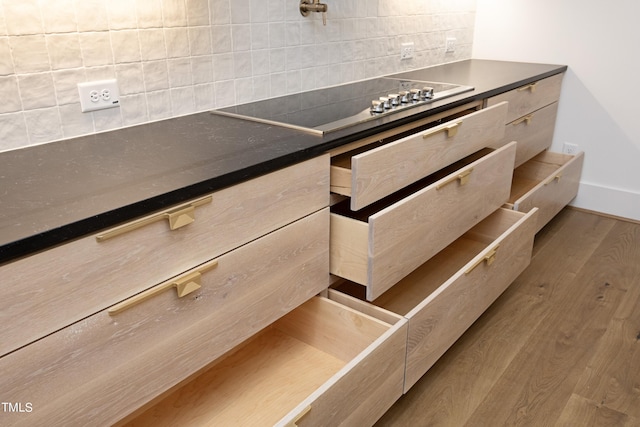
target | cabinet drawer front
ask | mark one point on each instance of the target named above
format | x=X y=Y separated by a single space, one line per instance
x=101 y=368
x=52 y=289
x=549 y=182
x=399 y=238
x=529 y=98
x=322 y=364
x=376 y=173
x=438 y=321
x=533 y=132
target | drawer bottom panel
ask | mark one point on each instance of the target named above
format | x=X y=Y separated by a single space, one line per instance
x=319 y=365
x=443 y=297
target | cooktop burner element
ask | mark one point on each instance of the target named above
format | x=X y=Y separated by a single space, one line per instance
x=338 y=107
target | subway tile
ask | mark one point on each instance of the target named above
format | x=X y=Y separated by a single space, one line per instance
x=108 y=119
x=43 y=125
x=59 y=16
x=179 y=71
x=202 y=69
x=199 y=41
x=64 y=51
x=241 y=36
x=10 y=94
x=240 y=12
x=92 y=15
x=152 y=45
x=174 y=13
x=259 y=11
x=65 y=83
x=13 y=131
x=259 y=36
x=36 y=90
x=159 y=104
x=126 y=46
x=6 y=61
x=149 y=13
x=29 y=54
x=260 y=62
x=130 y=78
x=277 y=35
x=276 y=10
x=22 y=17
x=197 y=12
x=3 y=22
x=121 y=14
x=74 y=122
x=182 y=101
x=223 y=67
x=177 y=41
x=156 y=76
x=96 y=49
x=221 y=39
x=220 y=12
x=134 y=109
x=204 y=97
x=242 y=64
x=225 y=93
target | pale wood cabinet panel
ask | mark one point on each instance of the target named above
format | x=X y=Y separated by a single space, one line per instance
x=50 y=290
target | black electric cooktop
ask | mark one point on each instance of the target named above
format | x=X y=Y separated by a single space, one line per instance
x=338 y=107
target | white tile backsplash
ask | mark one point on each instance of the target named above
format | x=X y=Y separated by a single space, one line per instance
x=175 y=57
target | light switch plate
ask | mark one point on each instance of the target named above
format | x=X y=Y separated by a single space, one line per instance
x=98 y=95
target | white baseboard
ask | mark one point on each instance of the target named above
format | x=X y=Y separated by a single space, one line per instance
x=611 y=201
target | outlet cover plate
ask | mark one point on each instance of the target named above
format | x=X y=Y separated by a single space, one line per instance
x=406 y=50
x=98 y=95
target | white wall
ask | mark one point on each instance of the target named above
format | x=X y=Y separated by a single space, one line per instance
x=599 y=110
x=176 y=57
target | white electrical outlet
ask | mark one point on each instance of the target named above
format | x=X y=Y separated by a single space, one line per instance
x=570 y=148
x=99 y=95
x=406 y=50
x=450 y=45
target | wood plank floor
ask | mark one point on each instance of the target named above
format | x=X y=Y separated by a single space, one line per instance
x=561 y=347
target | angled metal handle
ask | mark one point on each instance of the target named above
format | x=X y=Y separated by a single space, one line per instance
x=526 y=119
x=531 y=87
x=450 y=129
x=462 y=177
x=184 y=284
x=489 y=258
x=178 y=217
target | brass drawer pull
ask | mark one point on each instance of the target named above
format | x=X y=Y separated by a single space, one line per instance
x=531 y=87
x=462 y=177
x=178 y=217
x=489 y=258
x=294 y=422
x=185 y=284
x=451 y=130
x=526 y=119
x=554 y=178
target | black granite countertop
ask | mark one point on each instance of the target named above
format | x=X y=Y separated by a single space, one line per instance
x=57 y=192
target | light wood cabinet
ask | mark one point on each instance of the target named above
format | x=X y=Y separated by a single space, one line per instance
x=542 y=179
x=380 y=245
x=50 y=290
x=234 y=319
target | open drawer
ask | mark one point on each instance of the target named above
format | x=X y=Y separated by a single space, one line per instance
x=549 y=182
x=381 y=244
x=322 y=364
x=101 y=368
x=368 y=174
x=443 y=297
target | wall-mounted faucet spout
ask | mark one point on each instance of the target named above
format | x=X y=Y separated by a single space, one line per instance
x=308 y=6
